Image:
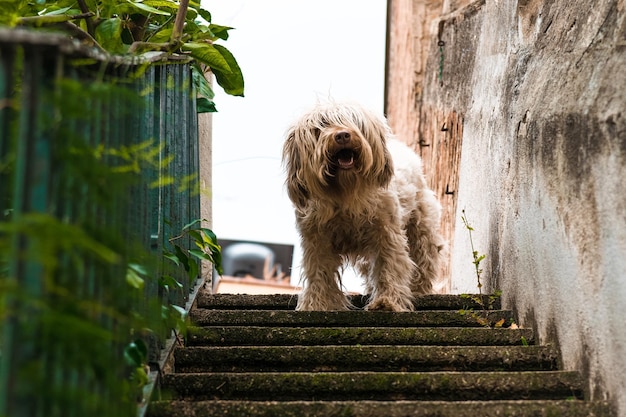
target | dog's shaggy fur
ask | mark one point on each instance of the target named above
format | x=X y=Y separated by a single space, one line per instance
x=360 y=197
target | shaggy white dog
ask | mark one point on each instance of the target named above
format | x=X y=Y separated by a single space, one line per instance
x=360 y=197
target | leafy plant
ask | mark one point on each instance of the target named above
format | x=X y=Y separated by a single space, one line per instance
x=73 y=268
x=136 y=357
x=206 y=248
x=479 y=299
x=173 y=316
x=130 y=27
x=477 y=258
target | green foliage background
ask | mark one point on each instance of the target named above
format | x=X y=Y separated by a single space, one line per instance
x=73 y=271
x=129 y=27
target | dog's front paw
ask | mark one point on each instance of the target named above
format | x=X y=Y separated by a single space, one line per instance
x=330 y=302
x=390 y=304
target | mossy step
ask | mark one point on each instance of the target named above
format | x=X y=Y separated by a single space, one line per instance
x=289 y=301
x=205 y=317
x=370 y=358
x=274 y=336
x=328 y=386
x=522 y=408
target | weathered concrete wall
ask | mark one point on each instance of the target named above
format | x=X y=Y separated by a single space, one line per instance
x=540 y=89
x=205 y=139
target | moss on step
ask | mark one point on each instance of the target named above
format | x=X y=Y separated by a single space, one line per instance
x=371 y=358
x=289 y=301
x=204 y=317
x=275 y=336
x=451 y=386
x=381 y=408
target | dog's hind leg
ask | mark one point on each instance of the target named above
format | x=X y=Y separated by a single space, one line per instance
x=425 y=246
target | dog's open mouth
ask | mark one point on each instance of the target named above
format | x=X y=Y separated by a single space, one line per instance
x=345 y=158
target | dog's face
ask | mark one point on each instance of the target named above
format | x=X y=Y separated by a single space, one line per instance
x=336 y=150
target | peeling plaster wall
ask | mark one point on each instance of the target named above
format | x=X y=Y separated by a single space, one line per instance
x=541 y=89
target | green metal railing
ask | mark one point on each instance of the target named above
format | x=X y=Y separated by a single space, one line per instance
x=98 y=168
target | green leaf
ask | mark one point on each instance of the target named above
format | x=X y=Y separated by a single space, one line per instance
x=139 y=269
x=170 y=281
x=205 y=14
x=140 y=376
x=165 y=312
x=208 y=54
x=181 y=311
x=217 y=261
x=220 y=31
x=203 y=86
x=232 y=82
x=168 y=4
x=171 y=257
x=201 y=255
x=193 y=270
x=133 y=279
x=204 y=105
x=149 y=9
x=184 y=259
x=188 y=225
x=134 y=354
x=143 y=348
x=162 y=36
x=55 y=11
x=210 y=234
x=215 y=248
x=109 y=35
x=197 y=237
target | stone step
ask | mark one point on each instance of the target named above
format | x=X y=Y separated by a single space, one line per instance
x=388 y=386
x=281 y=336
x=360 y=358
x=255 y=356
x=497 y=408
x=356 y=318
x=289 y=301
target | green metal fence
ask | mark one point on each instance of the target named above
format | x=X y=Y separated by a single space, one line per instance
x=98 y=169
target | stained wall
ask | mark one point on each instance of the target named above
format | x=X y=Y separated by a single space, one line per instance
x=535 y=94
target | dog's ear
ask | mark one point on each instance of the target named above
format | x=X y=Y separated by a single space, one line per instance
x=292 y=160
x=385 y=174
x=379 y=133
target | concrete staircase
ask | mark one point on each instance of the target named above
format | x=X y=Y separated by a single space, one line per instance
x=254 y=356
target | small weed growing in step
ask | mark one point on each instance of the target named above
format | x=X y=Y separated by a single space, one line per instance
x=479 y=299
x=477 y=258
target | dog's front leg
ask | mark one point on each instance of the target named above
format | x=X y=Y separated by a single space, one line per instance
x=320 y=267
x=391 y=275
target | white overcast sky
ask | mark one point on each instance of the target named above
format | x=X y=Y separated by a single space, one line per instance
x=292 y=53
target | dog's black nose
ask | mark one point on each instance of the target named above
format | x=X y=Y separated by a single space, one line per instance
x=342 y=137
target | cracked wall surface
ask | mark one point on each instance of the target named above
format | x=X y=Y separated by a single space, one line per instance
x=539 y=163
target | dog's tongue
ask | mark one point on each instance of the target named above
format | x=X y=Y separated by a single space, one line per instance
x=345 y=159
